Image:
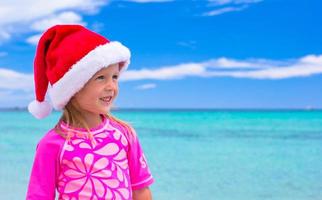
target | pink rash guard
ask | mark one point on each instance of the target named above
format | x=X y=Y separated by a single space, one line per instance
x=108 y=165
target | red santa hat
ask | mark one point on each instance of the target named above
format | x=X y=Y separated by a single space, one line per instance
x=67 y=57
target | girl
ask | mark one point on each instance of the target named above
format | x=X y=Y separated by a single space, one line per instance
x=89 y=154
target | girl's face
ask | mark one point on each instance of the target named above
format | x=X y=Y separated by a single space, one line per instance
x=99 y=92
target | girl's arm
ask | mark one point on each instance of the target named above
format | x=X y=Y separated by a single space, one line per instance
x=42 y=183
x=142 y=194
x=42 y=178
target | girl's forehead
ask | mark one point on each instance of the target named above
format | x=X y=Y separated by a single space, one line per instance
x=110 y=69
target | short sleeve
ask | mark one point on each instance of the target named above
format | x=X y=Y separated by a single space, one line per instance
x=139 y=170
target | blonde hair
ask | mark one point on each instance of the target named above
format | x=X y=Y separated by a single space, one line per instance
x=73 y=117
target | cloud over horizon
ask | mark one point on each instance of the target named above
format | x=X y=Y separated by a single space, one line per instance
x=225 y=67
x=220 y=67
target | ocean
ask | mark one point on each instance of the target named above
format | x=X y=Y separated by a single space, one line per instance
x=196 y=154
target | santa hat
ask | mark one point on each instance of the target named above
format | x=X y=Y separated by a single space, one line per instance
x=67 y=57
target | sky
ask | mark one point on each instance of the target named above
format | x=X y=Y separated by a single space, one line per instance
x=209 y=54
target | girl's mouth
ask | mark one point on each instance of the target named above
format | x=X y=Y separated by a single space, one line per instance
x=106 y=99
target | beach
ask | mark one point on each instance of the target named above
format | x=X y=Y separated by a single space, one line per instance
x=197 y=154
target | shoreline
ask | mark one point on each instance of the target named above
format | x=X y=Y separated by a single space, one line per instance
x=24 y=109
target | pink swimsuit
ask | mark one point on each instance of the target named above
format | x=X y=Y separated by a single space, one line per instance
x=107 y=166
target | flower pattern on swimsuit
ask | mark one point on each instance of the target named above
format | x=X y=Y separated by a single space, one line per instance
x=108 y=164
x=102 y=173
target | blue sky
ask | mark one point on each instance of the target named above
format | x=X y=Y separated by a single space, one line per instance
x=185 y=54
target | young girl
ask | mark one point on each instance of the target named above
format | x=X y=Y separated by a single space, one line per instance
x=89 y=154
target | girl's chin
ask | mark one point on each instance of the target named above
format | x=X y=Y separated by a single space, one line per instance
x=105 y=108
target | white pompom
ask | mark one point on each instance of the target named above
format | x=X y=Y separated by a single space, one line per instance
x=40 y=109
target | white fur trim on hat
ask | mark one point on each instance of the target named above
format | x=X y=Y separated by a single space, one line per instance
x=75 y=79
x=40 y=109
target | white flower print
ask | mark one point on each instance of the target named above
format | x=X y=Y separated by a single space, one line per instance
x=103 y=172
x=119 y=160
x=88 y=176
x=118 y=135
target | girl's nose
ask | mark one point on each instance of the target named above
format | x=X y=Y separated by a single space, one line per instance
x=110 y=85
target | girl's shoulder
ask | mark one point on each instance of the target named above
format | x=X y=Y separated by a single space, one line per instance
x=125 y=128
x=51 y=142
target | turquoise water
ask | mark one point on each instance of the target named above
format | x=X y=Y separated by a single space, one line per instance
x=197 y=154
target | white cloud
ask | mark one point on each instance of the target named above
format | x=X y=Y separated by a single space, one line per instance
x=306 y=66
x=4 y=36
x=220 y=2
x=249 y=63
x=225 y=6
x=17 y=15
x=62 y=18
x=10 y=98
x=223 y=10
x=249 y=68
x=34 y=39
x=149 y=1
x=10 y=79
x=224 y=67
x=165 y=73
x=16 y=88
x=146 y=86
x=19 y=86
x=225 y=2
x=28 y=10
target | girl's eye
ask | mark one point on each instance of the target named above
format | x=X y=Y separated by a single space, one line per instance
x=115 y=77
x=100 y=77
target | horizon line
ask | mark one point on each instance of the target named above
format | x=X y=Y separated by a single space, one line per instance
x=184 y=109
